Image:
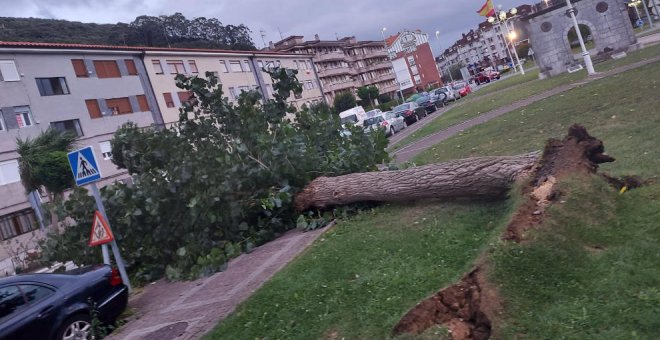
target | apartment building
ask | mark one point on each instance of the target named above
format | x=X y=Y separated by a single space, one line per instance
x=237 y=72
x=91 y=90
x=345 y=64
x=88 y=91
x=486 y=45
x=413 y=61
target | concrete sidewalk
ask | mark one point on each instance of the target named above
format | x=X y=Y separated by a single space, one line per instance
x=189 y=309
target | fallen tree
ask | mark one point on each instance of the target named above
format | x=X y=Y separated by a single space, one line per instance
x=474 y=178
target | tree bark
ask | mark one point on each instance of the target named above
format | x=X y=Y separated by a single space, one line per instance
x=478 y=178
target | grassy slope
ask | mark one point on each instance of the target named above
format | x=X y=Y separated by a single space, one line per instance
x=553 y=287
x=514 y=89
x=362 y=275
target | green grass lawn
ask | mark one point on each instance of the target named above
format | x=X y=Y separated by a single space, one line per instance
x=592 y=271
x=363 y=274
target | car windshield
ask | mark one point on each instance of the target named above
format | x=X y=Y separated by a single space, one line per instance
x=372 y=121
x=390 y=115
x=422 y=99
x=402 y=107
x=349 y=119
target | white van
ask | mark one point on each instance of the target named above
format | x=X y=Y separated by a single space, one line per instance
x=355 y=115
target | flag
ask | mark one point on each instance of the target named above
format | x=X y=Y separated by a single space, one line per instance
x=487 y=10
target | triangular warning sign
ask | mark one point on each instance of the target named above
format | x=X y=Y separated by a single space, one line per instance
x=101 y=233
x=85 y=168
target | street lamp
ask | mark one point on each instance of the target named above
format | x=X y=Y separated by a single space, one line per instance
x=635 y=4
x=389 y=57
x=501 y=18
x=437 y=37
x=585 y=53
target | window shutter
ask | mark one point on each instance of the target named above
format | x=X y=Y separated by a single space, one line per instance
x=99 y=67
x=130 y=67
x=143 y=103
x=93 y=108
x=9 y=71
x=10 y=118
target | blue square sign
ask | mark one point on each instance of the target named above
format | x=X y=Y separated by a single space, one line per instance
x=83 y=165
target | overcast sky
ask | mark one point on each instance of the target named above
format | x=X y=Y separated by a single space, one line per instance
x=328 y=18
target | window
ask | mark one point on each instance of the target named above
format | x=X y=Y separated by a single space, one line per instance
x=106 y=150
x=260 y=63
x=23 y=116
x=11 y=301
x=158 y=68
x=143 y=103
x=193 y=66
x=232 y=93
x=34 y=293
x=80 y=68
x=17 y=223
x=2 y=123
x=130 y=67
x=52 y=86
x=93 y=108
x=106 y=69
x=246 y=66
x=244 y=88
x=176 y=67
x=309 y=85
x=235 y=66
x=9 y=172
x=9 y=71
x=169 y=102
x=72 y=126
x=119 y=106
x=223 y=67
x=184 y=97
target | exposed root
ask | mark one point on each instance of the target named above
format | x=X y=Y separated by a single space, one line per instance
x=628 y=182
x=465 y=308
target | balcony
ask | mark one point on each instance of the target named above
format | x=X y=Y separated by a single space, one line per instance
x=328 y=72
x=331 y=56
x=374 y=54
x=374 y=67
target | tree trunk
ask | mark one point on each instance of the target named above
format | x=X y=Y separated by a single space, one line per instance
x=480 y=178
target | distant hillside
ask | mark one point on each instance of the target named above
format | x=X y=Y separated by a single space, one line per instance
x=163 y=31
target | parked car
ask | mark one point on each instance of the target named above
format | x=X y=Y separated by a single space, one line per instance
x=486 y=77
x=426 y=103
x=373 y=124
x=373 y=113
x=463 y=88
x=56 y=306
x=411 y=112
x=449 y=92
x=393 y=123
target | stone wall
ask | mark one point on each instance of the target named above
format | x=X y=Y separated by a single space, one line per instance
x=608 y=21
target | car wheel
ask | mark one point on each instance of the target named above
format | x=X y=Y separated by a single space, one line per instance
x=391 y=130
x=76 y=327
x=435 y=108
x=416 y=117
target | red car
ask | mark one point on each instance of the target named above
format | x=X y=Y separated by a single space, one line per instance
x=486 y=77
x=463 y=88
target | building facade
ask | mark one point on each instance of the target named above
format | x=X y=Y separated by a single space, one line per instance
x=486 y=45
x=237 y=72
x=92 y=90
x=413 y=61
x=345 y=64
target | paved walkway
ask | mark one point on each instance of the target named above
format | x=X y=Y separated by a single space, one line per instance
x=409 y=151
x=188 y=310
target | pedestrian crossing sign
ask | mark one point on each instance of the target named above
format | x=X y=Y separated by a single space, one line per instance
x=84 y=166
x=101 y=232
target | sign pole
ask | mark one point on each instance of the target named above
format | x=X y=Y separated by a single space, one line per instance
x=104 y=247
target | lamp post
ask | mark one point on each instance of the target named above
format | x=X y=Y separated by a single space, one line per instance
x=501 y=18
x=437 y=37
x=585 y=53
x=635 y=4
x=387 y=50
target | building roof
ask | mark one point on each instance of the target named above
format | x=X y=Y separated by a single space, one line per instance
x=391 y=39
x=137 y=49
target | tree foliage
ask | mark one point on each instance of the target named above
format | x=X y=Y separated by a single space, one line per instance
x=367 y=94
x=158 y=31
x=43 y=163
x=219 y=183
x=344 y=101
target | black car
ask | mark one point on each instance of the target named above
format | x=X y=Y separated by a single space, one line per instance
x=410 y=112
x=56 y=306
x=429 y=103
